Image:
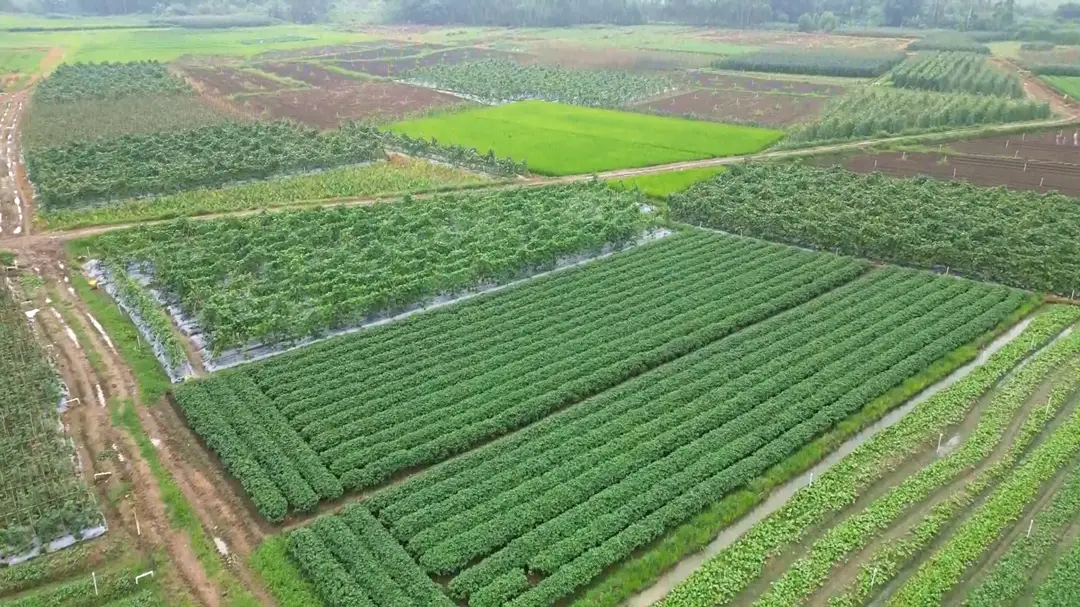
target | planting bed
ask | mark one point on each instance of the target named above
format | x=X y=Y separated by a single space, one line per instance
x=231 y=81
x=1058 y=145
x=985 y=171
x=739 y=107
x=921 y=513
x=311 y=73
x=330 y=107
x=744 y=83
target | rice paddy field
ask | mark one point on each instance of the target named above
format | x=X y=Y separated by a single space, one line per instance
x=362 y=315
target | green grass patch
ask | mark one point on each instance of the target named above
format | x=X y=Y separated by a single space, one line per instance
x=1069 y=85
x=322 y=187
x=660 y=185
x=151 y=379
x=20 y=60
x=288 y=585
x=558 y=139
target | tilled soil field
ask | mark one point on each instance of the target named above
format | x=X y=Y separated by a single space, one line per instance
x=312 y=74
x=1017 y=174
x=389 y=52
x=745 y=83
x=1056 y=146
x=229 y=81
x=739 y=106
x=328 y=108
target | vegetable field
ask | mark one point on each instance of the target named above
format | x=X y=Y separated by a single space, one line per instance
x=558 y=139
x=80 y=81
x=290 y=275
x=1018 y=238
x=42 y=494
x=825 y=63
x=956 y=72
x=89 y=172
x=979 y=522
x=501 y=81
x=878 y=111
x=676 y=373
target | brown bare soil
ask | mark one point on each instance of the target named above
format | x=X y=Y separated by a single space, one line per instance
x=309 y=52
x=735 y=106
x=328 y=108
x=222 y=80
x=746 y=83
x=979 y=170
x=312 y=74
x=1058 y=145
x=388 y=68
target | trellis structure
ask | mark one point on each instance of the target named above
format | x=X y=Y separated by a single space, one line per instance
x=42 y=494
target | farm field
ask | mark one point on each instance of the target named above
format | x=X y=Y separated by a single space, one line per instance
x=879 y=217
x=978 y=519
x=557 y=139
x=390 y=315
x=42 y=495
x=320 y=270
x=565 y=500
x=17 y=66
x=1016 y=174
x=1069 y=85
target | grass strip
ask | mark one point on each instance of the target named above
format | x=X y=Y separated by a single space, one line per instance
x=732 y=570
x=151 y=379
x=636 y=574
x=272 y=563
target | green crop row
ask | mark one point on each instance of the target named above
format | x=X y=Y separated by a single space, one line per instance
x=956 y=72
x=153 y=318
x=277 y=469
x=1059 y=589
x=1005 y=506
x=1012 y=572
x=352 y=560
x=857 y=531
x=725 y=575
x=290 y=275
x=83 y=592
x=823 y=62
x=1023 y=239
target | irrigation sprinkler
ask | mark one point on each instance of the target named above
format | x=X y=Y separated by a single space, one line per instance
x=939 y=439
x=94 y=576
x=1017 y=154
x=1006 y=144
x=903 y=156
x=1032 y=524
x=138 y=529
x=1025 y=167
x=1041 y=180
x=875 y=163
x=954 y=173
x=1023 y=136
x=811 y=480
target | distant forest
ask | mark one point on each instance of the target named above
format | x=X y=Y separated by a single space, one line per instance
x=1043 y=21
